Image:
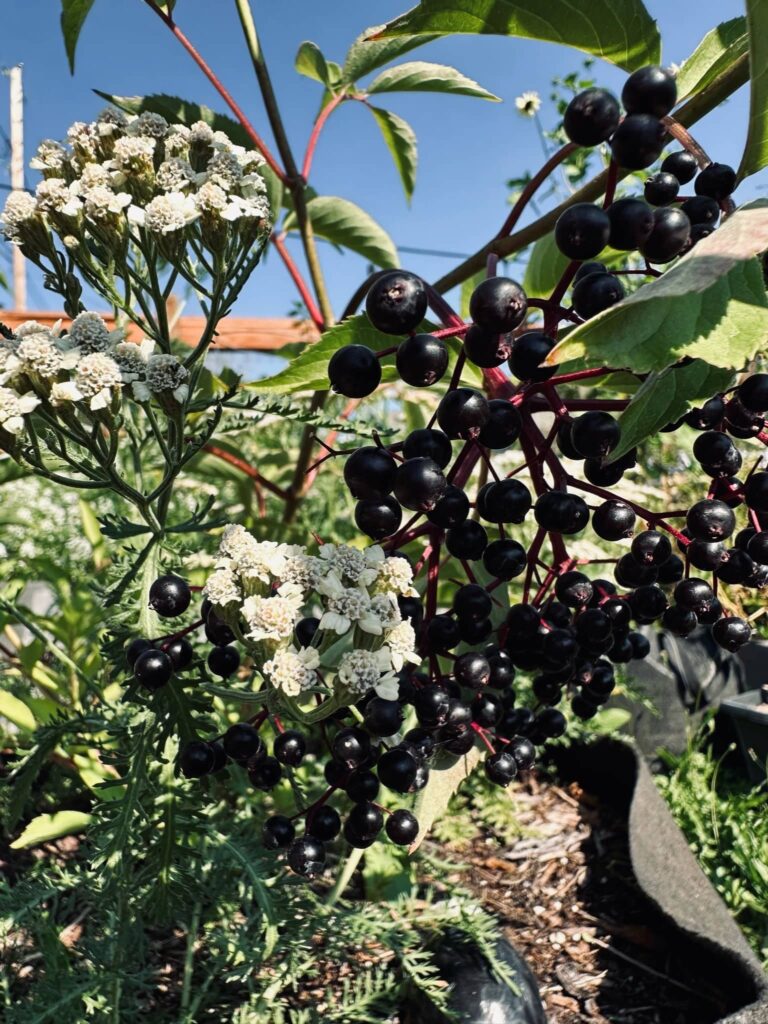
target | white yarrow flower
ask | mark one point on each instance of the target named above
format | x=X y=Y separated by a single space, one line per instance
x=222 y=589
x=168 y=213
x=272 y=618
x=167 y=375
x=401 y=642
x=20 y=208
x=347 y=606
x=97 y=376
x=361 y=671
x=89 y=333
x=132 y=360
x=13 y=409
x=293 y=671
x=395 y=575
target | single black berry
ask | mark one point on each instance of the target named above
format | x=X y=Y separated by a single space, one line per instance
x=682 y=164
x=169 y=596
x=153 y=669
x=592 y=294
x=631 y=223
x=396 y=302
x=354 y=371
x=503 y=425
x=451 y=509
x=196 y=759
x=701 y=210
x=660 y=189
x=505 y=559
x=591 y=117
x=422 y=360
x=428 y=444
x=277 y=832
x=383 y=717
x=753 y=392
x=370 y=472
x=265 y=773
x=306 y=856
x=378 y=517
x=649 y=90
x=419 y=484
x=402 y=827
x=638 y=141
x=486 y=349
x=613 y=520
x=501 y=767
x=290 y=747
x=180 y=652
x=529 y=351
x=351 y=746
x=468 y=540
x=710 y=519
x=595 y=434
x=498 y=305
x=397 y=770
x=242 y=742
x=223 y=661
x=731 y=633
x=136 y=647
x=671 y=230
x=582 y=231
x=716 y=181
x=573 y=589
x=324 y=823
x=463 y=413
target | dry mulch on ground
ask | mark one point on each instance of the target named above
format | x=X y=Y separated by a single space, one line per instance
x=569 y=902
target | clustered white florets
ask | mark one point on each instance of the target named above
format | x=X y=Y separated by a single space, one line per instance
x=120 y=174
x=262 y=589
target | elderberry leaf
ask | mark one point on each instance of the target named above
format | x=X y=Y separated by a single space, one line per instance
x=311 y=63
x=756 y=149
x=420 y=76
x=664 y=397
x=73 y=17
x=345 y=224
x=720 y=48
x=445 y=776
x=366 y=54
x=45 y=827
x=400 y=139
x=619 y=31
x=711 y=305
x=180 y=111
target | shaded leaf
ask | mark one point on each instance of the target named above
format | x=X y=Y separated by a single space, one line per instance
x=400 y=139
x=419 y=76
x=45 y=827
x=73 y=16
x=711 y=305
x=717 y=51
x=664 y=397
x=545 y=267
x=345 y=224
x=608 y=720
x=180 y=111
x=620 y=31
x=311 y=63
x=446 y=775
x=367 y=54
x=756 y=149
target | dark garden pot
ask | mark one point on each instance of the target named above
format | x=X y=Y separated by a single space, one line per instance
x=476 y=996
x=749 y=714
x=712 y=949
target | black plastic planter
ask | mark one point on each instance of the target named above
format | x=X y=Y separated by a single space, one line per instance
x=749 y=715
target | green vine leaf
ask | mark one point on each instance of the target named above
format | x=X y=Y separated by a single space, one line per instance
x=664 y=397
x=45 y=827
x=345 y=224
x=711 y=305
x=400 y=139
x=73 y=17
x=619 y=31
x=720 y=48
x=367 y=54
x=445 y=777
x=311 y=63
x=419 y=76
x=756 y=150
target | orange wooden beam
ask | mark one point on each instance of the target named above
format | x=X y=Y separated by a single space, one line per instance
x=248 y=334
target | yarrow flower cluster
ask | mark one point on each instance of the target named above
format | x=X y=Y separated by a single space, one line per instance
x=263 y=589
x=88 y=368
x=132 y=181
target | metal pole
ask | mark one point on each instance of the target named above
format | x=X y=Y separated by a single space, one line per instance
x=17 y=179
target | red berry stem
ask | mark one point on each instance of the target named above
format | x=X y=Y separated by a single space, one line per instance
x=533 y=185
x=166 y=641
x=301 y=286
x=483 y=737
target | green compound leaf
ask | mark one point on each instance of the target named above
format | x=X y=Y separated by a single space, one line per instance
x=711 y=305
x=720 y=48
x=311 y=63
x=367 y=54
x=619 y=31
x=345 y=224
x=400 y=139
x=664 y=397
x=180 y=111
x=419 y=76
x=756 y=150
x=45 y=827
x=446 y=775
x=73 y=16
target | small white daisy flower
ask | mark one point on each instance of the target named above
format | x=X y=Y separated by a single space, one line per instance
x=347 y=606
x=50 y=158
x=293 y=671
x=168 y=213
x=395 y=575
x=222 y=589
x=272 y=618
x=97 y=377
x=13 y=409
x=528 y=103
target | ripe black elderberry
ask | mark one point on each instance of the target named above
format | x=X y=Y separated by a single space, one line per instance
x=591 y=117
x=562 y=512
x=463 y=413
x=701 y=210
x=671 y=231
x=265 y=773
x=180 y=652
x=710 y=520
x=501 y=767
x=716 y=181
x=528 y=353
x=370 y=472
x=631 y=222
x=651 y=548
x=682 y=164
x=661 y=188
x=505 y=559
x=242 y=742
x=731 y=633
x=753 y=392
x=290 y=747
x=613 y=520
x=397 y=770
x=582 y=231
x=649 y=90
x=422 y=360
x=277 y=832
x=419 y=484
x=324 y=823
x=473 y=602
x=486 y=349
x=136 y=647
x=402 y=827
x=153 y=669
x=472 y=669
x=396 y=302
x=223 y=661
x=755 y=494
x=442 y=633
x=351 y=746
x=306 y=856
x=592 y=294
x=354 y=371
x=196 y=759
x=506 y=501
x=595 y=434
x=383 y=717
x=498 y=305
x=378 y=517
x=573 y=589
x=169 y=596
x=503 y=426
x=451 y=509
x=638 y=141
x=428 y=444
x=468 y=540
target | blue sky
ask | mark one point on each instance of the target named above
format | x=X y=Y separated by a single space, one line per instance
x=468 y=148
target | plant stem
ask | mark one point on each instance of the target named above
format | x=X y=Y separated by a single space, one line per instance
x=322 y=117
x=298 y=280
x=345 y=876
